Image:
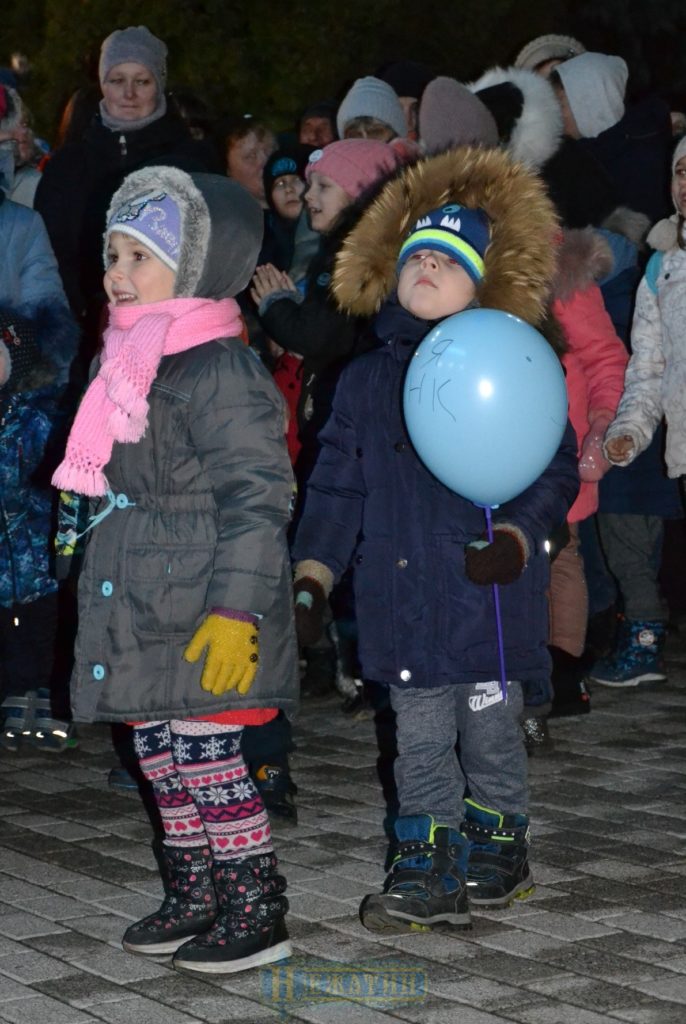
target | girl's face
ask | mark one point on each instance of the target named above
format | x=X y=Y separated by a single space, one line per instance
x=679 y=186
x=245 y=160
x=287 y=196
x=134 y=275
x=129 y=92
x=325 y=202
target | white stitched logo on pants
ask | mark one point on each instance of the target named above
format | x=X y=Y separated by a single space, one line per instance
x=491 y=693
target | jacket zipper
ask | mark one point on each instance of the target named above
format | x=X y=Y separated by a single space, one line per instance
x=122 y=145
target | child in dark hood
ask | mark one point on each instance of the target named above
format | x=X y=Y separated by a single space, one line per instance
x=289 y=241
x=481 y=231
x=185 y=622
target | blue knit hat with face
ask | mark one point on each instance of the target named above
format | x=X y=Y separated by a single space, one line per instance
x=458 y=232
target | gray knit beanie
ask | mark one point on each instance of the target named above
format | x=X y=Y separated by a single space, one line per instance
x=545 y=48
x=450 y=115
x=139 y=45
x=370 y=97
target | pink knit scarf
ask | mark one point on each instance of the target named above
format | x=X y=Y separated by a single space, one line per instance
x=115 y=406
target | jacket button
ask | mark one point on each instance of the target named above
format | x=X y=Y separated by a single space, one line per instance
x=98 y=672
x=359 y=560
x=106 y=589
x=401 y=563
x=358 y=453
x=406 y=675
x=400 y=446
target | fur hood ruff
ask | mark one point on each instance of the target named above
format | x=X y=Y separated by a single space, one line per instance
x=519 y=260
x=537 y=132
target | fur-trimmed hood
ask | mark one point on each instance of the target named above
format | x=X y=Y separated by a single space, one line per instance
x=526 y=111
x=583 y=258
x=520 y=258
x=221 y=228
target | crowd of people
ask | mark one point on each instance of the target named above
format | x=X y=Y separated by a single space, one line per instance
x=210 y=502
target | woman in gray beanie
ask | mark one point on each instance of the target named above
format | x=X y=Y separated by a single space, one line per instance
x=131 y=129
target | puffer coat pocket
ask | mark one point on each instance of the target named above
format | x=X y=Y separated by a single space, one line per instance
x=168 y=587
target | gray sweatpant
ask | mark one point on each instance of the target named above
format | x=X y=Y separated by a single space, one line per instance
x=491 y=760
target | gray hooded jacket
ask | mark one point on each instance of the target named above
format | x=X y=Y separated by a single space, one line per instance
x=202 y=502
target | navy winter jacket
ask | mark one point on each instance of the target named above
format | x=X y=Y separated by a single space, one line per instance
x=370 y=500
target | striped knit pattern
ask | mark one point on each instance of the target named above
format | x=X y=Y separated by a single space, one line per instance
x=202 y=787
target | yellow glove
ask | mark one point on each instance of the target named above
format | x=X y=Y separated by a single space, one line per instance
x=232 y=654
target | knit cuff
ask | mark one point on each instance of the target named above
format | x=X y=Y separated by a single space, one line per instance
x=283 y=293
x=230 y=613
x=518 y=535
x=315 y=571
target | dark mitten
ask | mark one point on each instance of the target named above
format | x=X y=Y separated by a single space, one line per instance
x=310 y=603
x=502 y=561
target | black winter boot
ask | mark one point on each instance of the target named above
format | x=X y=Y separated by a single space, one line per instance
x=426 y=884
x=570 y=692
x=498 y=870
x=250 y=929
x=189 y=907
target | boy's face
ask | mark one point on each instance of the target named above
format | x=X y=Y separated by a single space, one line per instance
x=134 y=275
x=287 y=192
x=432 y=285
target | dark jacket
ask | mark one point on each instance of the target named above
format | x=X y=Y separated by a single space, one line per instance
x=421 y=622
x=80 y=179
x=323 y=335
x=636 y=154
x=416 y=610
x=29 y=423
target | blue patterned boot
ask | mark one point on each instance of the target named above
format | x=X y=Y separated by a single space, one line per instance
x=637 y=657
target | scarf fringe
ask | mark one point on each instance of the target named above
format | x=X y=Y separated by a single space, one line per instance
x=91 y=482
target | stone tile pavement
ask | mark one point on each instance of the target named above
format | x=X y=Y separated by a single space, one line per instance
x=603 y=939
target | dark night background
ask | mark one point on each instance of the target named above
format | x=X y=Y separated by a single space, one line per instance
x=271 y=58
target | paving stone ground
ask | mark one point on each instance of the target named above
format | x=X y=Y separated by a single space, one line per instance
x=603 y=938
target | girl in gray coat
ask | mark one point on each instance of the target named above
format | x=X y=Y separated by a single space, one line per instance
x=179 y=441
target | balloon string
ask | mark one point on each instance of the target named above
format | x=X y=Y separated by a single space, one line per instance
x=498 y=620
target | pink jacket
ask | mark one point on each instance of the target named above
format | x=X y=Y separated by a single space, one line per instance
x=596 y=358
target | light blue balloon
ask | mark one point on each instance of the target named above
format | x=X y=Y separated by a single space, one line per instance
x=485 y=404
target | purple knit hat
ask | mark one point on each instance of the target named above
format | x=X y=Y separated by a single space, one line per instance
x=155 y=220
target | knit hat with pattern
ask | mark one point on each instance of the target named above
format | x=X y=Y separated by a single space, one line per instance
x=454 y=230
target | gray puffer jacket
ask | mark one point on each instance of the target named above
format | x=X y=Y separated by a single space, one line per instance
x=202 y=505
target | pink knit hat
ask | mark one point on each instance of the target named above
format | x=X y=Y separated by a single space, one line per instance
x=354 y=164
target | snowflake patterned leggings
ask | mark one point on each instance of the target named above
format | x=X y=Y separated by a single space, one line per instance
x=202 y=787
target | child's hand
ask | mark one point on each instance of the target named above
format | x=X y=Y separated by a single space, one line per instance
x=267 y=280
x=232 y=654
x=592 y=464
x=501 y=561
x=619 y=449
x=310 y=604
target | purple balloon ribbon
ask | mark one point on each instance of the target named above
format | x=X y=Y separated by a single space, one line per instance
x=496 y=602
